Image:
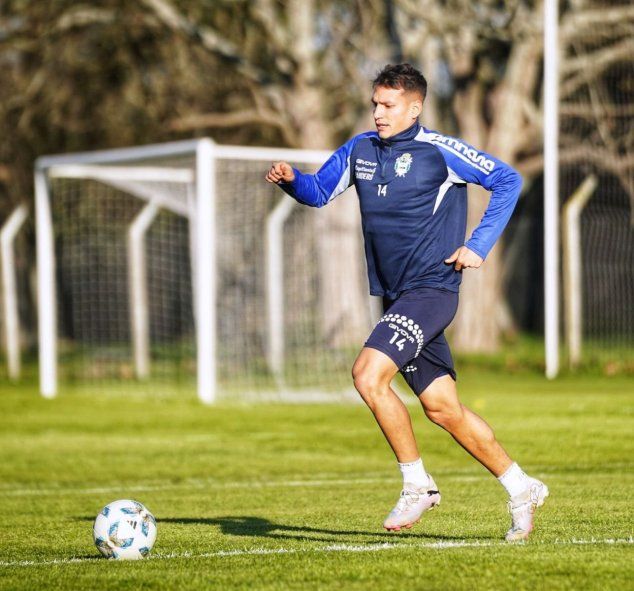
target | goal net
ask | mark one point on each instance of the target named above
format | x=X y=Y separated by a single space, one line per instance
x=172 y=268
x=596 y=146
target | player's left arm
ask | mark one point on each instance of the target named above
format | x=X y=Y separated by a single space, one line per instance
x=505 y=184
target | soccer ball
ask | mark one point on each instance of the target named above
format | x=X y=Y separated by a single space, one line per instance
x=124 y=530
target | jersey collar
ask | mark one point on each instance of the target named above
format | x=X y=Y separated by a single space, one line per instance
x=404 y=136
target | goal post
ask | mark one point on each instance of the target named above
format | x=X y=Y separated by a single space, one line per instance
x=8 y=233
x=205 y=271
x=142 y=181
x=551 y=187
x=229 y=297
x=573 y=267
x=137 y=280
x=274 y=284
x=46 y=316
x=588 y=241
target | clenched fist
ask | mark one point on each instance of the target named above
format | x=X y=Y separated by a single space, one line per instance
x=280 y=172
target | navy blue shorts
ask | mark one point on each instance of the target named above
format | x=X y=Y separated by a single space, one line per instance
x=411 y=333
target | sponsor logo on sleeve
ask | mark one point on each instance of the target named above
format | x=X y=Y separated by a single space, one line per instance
x=464 y=151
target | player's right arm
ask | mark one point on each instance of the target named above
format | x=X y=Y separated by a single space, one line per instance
x=318 y=189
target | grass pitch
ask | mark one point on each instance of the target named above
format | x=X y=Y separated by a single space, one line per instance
x=292 y=497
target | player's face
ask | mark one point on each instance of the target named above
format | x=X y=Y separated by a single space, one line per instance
x=394 y=110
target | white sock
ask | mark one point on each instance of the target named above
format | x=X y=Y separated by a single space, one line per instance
x=514 y=480
x=414 y=473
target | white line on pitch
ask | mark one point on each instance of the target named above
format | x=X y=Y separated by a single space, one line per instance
x=442 y=545
x=188 y=484
x=210 y=484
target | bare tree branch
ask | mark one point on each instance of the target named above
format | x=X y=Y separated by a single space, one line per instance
x=209 y=38
x=265 y=12
x=601 y=158
x=574 y=22
x=585 y=110
x=83 y=16
x=589 y=66
x=589 y=63
x=233 y=119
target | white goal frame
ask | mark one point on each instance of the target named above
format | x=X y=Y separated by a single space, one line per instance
x=202 y=218
x=8 y=234
x=551 y=187
x=573 y=267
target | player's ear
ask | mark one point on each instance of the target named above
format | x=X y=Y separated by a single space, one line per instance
x=416 y=108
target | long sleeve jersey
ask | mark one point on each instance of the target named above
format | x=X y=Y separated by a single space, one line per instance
x=413 y=200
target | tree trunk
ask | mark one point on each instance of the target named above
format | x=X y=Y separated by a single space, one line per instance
x=483 y=314
x=475 y=327
x=343 y=300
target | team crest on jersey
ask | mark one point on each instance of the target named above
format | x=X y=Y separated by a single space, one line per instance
x=403 y=164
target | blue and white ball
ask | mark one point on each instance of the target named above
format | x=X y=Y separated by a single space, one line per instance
x=124 y=530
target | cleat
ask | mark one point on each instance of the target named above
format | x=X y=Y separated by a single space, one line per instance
x=522 y=509
x=412 y=503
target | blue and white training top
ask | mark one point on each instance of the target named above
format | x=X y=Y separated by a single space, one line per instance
x=413 y=198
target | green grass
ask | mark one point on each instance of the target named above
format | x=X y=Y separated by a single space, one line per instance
x=292 y=496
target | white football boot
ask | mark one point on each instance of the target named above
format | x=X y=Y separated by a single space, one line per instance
x=522 y=509
x=412 y=503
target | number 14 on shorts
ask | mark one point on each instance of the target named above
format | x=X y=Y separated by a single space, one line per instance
x=399 y=343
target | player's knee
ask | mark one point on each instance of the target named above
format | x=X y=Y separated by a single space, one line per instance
x=447 y=416
x=365 y=382
x=368 y=383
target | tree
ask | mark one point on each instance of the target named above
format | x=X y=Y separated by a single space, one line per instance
x=488 y=56
x=484 y=65
x=297 y=72
x=313 y=97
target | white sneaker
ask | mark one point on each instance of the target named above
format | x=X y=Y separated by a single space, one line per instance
x=522 y=509
x=412 y=503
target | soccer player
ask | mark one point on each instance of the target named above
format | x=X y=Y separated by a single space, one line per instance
x=411 y=184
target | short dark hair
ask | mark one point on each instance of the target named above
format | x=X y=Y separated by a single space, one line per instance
x=403 y=76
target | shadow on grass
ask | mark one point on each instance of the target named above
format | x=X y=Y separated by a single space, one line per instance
x=263 y=528
x=260 y=527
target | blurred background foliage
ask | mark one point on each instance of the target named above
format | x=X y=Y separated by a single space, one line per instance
x=90 y=75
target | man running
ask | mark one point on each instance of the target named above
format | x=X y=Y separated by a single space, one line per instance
x=411 y=184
